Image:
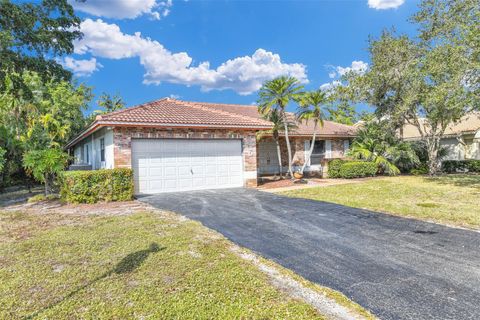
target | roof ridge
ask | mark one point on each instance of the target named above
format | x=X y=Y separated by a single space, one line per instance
x=236 y=115
x=138 y=106
x=217 y=103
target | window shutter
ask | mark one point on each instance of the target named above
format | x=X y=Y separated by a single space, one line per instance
x=328 y=148
x=306 y=149
x=346 y=146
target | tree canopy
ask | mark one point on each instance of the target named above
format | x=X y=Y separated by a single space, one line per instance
x=32 y=35
x=429 y=82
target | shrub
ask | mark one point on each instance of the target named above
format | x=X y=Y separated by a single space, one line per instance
x=452 y=166
x=358 y=169
x=97 y=185
x=334 y=168
x=42 y=197
x=421 y=170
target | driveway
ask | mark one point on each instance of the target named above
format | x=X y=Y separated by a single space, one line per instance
x=397 y=268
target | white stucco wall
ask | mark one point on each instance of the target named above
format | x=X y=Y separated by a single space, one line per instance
x=92 y=142
x=469 y=148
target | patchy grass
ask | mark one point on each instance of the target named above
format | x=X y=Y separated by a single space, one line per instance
x=449 y=199
x=144 y=265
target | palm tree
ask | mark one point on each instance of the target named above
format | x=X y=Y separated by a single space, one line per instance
x=277 y=126
x=276 y=94
x=311 y=109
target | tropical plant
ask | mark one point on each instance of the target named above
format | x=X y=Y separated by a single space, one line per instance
x=377 y=142
x=276 y=94
x=108 y=104
x=37 y=114
x=45 y=165
x=311 y=110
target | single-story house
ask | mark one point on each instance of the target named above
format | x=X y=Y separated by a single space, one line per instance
x=175 y=145
x=461 y=139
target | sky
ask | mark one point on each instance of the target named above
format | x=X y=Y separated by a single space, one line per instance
x=223 y=50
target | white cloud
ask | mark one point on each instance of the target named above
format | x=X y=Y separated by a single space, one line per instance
x=244 y=75
x=81 y=67
x=358 y=67
x=385 y=4
x=330 y=85
x=121 y=9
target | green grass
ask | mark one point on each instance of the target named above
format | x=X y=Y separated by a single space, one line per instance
x=449 y=199
x=145 y=265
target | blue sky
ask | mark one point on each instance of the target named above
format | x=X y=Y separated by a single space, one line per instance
x=221 y=51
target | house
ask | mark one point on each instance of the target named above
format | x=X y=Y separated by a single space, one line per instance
x=175 y=145
x=461 y=139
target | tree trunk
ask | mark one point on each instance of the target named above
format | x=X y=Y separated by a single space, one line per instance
x=433 y=145
x=279 y=155
x=307 y=158
x=46 y=185
x=287 y=140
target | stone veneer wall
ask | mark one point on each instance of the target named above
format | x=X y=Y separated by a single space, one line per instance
x=122 y=141
x=298 y=148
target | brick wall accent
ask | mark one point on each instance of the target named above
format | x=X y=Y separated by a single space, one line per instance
x=298 y=148
x=122 y=141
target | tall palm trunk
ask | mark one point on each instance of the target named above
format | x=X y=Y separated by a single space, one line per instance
x=289 y=150
x=309 y=155
x=279 y=154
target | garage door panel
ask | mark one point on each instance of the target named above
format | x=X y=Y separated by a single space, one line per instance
x=184 y=171
x=155 y=172
x=170 y=172
x=165 y=165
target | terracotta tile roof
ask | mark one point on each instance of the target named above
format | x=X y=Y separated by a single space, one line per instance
x=176 y=112
x=172 y=112
x=467 y=124
x=329 y=128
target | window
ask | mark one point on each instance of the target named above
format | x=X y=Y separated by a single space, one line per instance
x=319 y=147
x=102 y=149
x=318 y=152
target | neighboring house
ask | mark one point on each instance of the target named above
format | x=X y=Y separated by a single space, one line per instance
x=175 y=145
x=461 y=139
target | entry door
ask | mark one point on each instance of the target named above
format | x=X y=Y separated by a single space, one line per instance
x=168 y=165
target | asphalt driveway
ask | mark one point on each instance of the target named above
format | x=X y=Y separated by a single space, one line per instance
x=398 y=268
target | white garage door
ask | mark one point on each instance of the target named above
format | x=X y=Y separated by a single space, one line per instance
x=167 y=165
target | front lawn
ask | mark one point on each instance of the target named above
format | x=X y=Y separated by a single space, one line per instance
x=449 y=199
x=144 y=265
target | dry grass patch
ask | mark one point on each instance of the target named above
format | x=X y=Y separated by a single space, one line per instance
x=148 y=265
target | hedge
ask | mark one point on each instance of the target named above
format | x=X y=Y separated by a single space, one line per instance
x=452 y=166
x=96 y=185
x=351 y=169
x=358 y=169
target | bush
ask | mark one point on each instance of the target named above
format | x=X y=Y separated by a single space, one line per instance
x=419 y=171
x=452 y=166
x=358 y=169
x=42 y=197
x=97 y=185
x=334 y=168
